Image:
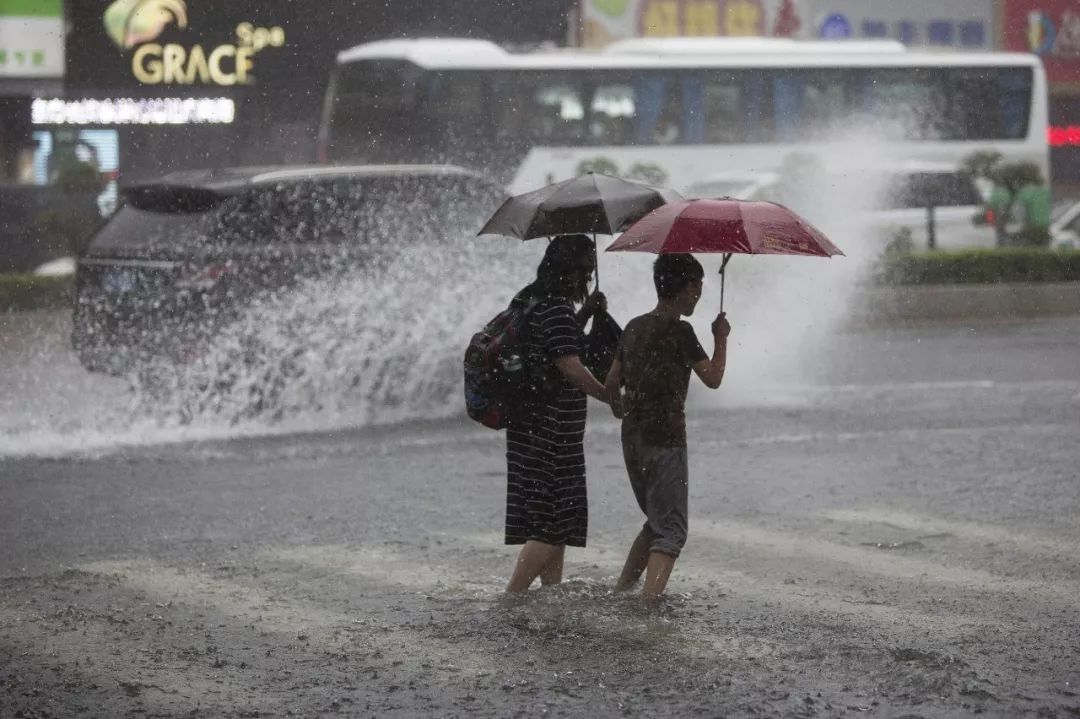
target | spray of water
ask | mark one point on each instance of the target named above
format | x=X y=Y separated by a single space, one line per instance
x=372 y=346
x=784 y=311
x=366 y=347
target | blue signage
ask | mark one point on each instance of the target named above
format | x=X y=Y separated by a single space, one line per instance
x=835 y=27
x=942 y=32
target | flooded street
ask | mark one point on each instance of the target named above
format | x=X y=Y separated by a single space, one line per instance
x=260 y=262
x=896 y=538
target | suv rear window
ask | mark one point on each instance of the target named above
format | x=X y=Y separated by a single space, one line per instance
x=134 y=232
x=371 y=210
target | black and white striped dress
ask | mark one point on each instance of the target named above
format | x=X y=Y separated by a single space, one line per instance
x=545 y=458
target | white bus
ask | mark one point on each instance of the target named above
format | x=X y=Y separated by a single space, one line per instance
x=677 y=111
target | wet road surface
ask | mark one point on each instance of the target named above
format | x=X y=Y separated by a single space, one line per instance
x=899 y=539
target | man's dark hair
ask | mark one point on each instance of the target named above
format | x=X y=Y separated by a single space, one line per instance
x=558 y=274
x=672 y=273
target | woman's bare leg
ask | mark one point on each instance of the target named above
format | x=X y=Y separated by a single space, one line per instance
x=552 y=573
x=532 y=559
x=636 y=561
x=656 y=576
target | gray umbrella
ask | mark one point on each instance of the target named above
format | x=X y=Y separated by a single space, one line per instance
x=594 y=204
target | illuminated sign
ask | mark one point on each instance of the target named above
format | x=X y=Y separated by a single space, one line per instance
x=1059 y=136
x=130 y=22
x=136 y=24
x=835 y=27
x=128 y=111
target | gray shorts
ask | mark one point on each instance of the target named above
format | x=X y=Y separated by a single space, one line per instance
x=660 y=480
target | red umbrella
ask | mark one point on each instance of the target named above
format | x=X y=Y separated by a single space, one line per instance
x=725 y=226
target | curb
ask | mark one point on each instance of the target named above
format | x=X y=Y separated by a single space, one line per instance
x=884 y=305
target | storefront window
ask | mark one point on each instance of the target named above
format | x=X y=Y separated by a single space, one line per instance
x=98 y=148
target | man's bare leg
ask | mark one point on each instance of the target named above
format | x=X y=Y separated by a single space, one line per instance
x=552 y=573
x=532 y=559
x=636 y=561
x=656 y=576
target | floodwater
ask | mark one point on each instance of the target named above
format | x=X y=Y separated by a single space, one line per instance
x=903 y=545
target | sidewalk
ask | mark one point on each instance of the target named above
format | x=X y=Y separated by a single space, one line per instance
x=877 y=306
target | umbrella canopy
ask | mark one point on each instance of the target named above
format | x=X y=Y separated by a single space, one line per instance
x=725 y=226
x=593 y=204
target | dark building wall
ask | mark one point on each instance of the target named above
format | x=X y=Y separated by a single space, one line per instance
x=15 y=137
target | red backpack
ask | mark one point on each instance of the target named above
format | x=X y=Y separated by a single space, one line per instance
x=496 y=372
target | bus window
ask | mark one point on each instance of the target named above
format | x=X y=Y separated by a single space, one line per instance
x=559 y=112
x=539 y=108
x=808 y=103
x=373 y=108
x=659 y=116
x=988 y=103
x=904 y=104
x=611 y=120
x=733 y=105
x=455 y=107
x=1014 y=102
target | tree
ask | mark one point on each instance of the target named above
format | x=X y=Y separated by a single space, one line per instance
x=647 y=172
x=64 y=228
x=1019 y=203
x=599 y=165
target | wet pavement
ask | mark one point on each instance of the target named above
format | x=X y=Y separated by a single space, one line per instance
x=896 y=539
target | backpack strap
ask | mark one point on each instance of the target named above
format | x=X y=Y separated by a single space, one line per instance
x=527 y=302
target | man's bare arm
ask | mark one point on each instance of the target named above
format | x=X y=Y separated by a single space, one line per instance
x=613 y=386
x=711 y=371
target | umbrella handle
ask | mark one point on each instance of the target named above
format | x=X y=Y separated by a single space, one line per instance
x=723 y=266
x=596 y=260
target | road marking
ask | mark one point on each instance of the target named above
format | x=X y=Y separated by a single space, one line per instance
x=91 y=650
x=979 y=532
x=875 y=562
x=289 y=616
x=386 y=567
x=694 y=573
x=911 y=433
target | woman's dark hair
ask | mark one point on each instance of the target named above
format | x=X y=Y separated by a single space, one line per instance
x=672 y=273
x=559 y=273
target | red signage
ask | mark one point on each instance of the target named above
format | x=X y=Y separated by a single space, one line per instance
x=1050 y=29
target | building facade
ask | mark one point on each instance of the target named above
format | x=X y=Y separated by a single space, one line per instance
x=151 y=86
x=954 y=24
x=1051 y=29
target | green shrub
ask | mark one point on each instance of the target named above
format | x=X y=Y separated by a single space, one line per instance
x=31 y=292
x=1006 y=264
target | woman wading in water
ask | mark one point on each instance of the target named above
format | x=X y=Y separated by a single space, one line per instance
x=546 y=501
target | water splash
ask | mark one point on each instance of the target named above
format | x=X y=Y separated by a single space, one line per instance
x=368 y=346
x=374 y=346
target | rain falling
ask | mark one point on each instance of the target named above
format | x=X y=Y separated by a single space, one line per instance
x=656 y=358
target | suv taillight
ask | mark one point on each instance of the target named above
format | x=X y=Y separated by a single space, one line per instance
x=202 y=278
